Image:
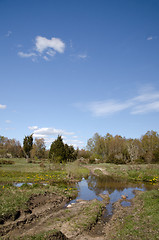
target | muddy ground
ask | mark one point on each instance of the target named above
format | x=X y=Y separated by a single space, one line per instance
x=49 y=211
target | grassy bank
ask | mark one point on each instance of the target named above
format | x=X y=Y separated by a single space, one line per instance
x=143 y=223
x=141 y=172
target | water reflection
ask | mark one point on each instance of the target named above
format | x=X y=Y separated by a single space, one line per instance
x=89 y=189
x=125 y=204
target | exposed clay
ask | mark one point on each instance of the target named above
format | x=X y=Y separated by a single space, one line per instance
x=47 y=212
x=37 y=208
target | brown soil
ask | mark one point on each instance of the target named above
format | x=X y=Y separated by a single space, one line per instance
x=109 y=229
x=39 y=207
x=47 y=212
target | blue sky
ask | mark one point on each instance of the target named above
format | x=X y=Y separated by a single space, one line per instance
x=75 y=68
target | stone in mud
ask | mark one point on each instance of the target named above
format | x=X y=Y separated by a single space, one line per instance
x=124 y=197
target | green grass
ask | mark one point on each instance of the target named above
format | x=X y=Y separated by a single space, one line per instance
x=143 y=223
x=141 y=172
x=13 y=199
x=43 y=176
x=56 y=178
x=22 y=171
x=75 y=171
x=21 y=165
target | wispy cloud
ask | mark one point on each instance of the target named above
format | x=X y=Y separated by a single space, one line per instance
x=44 y=48
x=33 y=127
x=149 y=38
x=103 y=108
x=8 y=121
x=146 y=101
x=45 y=58
x=8 y=34
x=145 y=108
x=2 y=106
x=27 y=55
x=82 y=56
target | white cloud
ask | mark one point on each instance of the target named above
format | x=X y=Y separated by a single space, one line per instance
x=2 y=106
x=33 y=127
x=51 y=53
x=103 y=108
x=43 y=43
x=39 y=135
x=8 y=34
x=82 y=56
x=8 y=121
x=26 y=55
x=75 y=143
x=147 y=101
x=149 y=38
x=51 y=131
x=145 y=108
x=46 y=58
x=44 y=48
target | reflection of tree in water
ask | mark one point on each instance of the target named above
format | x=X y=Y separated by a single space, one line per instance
x=107 y=183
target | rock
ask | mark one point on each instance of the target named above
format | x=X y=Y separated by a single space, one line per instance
x=69 y=206
x=123 y=196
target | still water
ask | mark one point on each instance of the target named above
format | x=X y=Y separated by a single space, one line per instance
x=91 y=188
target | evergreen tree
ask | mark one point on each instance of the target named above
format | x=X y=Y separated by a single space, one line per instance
x=70 y=153
x=57 y=150
x=27 y=145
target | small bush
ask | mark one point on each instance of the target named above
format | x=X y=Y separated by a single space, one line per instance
x=6 y=162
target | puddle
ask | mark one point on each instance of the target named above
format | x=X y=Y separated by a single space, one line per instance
x=21 y=184
x=30 y=184
x=89 y=189
x=125 y=204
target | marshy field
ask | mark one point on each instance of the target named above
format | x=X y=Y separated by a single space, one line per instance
x=43 y=200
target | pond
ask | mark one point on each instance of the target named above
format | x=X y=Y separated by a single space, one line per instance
x=93 y=187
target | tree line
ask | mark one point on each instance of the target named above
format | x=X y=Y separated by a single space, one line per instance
x=121 y=150
x=59 y=152
x=108 y=148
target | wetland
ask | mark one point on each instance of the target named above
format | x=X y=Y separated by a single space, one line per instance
x=78 y=202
